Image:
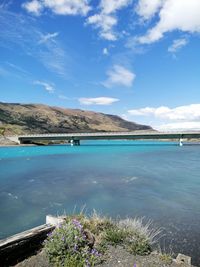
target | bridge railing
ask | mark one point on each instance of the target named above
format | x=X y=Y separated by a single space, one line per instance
x=104 y=134
x=88 y=134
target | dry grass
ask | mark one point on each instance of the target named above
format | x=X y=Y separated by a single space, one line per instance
x=141 y=228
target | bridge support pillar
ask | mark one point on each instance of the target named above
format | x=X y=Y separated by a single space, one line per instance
x=180 y=142
x=75 y=142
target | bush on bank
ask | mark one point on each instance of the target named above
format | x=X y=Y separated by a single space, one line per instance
x=82 y=241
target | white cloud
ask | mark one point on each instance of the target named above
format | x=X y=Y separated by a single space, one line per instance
x=59 y=7
x=47 y=37
x=182 y=15
x=105 y=23
x=112 y=6
x=106 y=19
x=105 y=51
x=35 y=7
x=98 y=101
x=163 y=118
x=119 y=76
x=148 y=8
x=182 y=113
x=179 y=126
x=47 y=86
x=177 y=45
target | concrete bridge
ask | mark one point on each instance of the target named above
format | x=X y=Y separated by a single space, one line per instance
x=75 y=138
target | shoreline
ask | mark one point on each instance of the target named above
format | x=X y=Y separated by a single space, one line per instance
x=20 y=248
x=187 y=143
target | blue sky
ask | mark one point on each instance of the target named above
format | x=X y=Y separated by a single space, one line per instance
x=139 y=59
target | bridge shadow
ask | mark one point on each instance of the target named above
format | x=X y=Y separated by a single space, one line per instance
x=119 y=145
x=124 y=145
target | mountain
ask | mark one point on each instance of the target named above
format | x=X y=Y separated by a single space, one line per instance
x=37 y=118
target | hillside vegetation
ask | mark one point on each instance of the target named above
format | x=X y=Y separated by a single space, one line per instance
x=37 y=118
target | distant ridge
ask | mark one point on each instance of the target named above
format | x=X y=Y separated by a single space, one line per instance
x=37 y=118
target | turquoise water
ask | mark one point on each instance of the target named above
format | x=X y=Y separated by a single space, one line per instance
x=160 y=181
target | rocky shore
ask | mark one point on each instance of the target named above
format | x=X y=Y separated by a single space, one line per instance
x=101 y=242
x=119 y=257
x=6 y=142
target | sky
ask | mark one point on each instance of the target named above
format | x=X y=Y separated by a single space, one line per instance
x=139 y=59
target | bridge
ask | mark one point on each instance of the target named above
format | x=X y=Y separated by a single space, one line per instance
x=75 y=138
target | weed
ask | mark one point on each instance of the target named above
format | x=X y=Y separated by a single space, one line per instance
x=166 y=258
x=115 y=236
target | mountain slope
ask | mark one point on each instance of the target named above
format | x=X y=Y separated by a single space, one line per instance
x=37 y=118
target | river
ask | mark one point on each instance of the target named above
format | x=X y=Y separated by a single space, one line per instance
x=156 y=180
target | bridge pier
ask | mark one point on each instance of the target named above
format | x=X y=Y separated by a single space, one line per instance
x=181 y=142
x=75 y=142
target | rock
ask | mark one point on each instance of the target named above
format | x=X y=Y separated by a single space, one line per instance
x=55 y=221
x=183 y=259
x=90 y=238
x=6 y=142
x=155 y=253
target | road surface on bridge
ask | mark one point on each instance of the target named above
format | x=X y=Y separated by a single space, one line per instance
x=139 y=135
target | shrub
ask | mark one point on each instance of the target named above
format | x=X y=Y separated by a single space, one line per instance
x=166 y=258
x=115 y=236
x=69 y=244
x=138 y=246
x=82 y=241
x=140 y=237
x=141 y=229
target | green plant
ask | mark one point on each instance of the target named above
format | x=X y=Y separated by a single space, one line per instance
x=2 y=131
x=82 y=241
x=71 y=261
x=69 y=244
x=166 y=258
x=141 y=236
x=140 y=229
x=138 y=246
x=115 y=235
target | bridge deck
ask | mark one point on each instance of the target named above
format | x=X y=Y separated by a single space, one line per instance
x=110 y=135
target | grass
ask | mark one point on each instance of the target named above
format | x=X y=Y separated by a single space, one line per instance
x=83 y=240
x=2 y=131
x=166 y=258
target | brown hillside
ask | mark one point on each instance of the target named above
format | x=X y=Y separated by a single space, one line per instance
x=33 y=118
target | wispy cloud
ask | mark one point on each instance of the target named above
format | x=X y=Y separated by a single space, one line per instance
x=4 y=72
x=177 y=45
x=18 y=69
x=119 y=76
x=63 y=97
x=22 y=33
x=64 y=7
x=13 y=70
x=98 y=101
x=5 y=3
x=107 y=18
x=49 y=87
x=47 y=37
